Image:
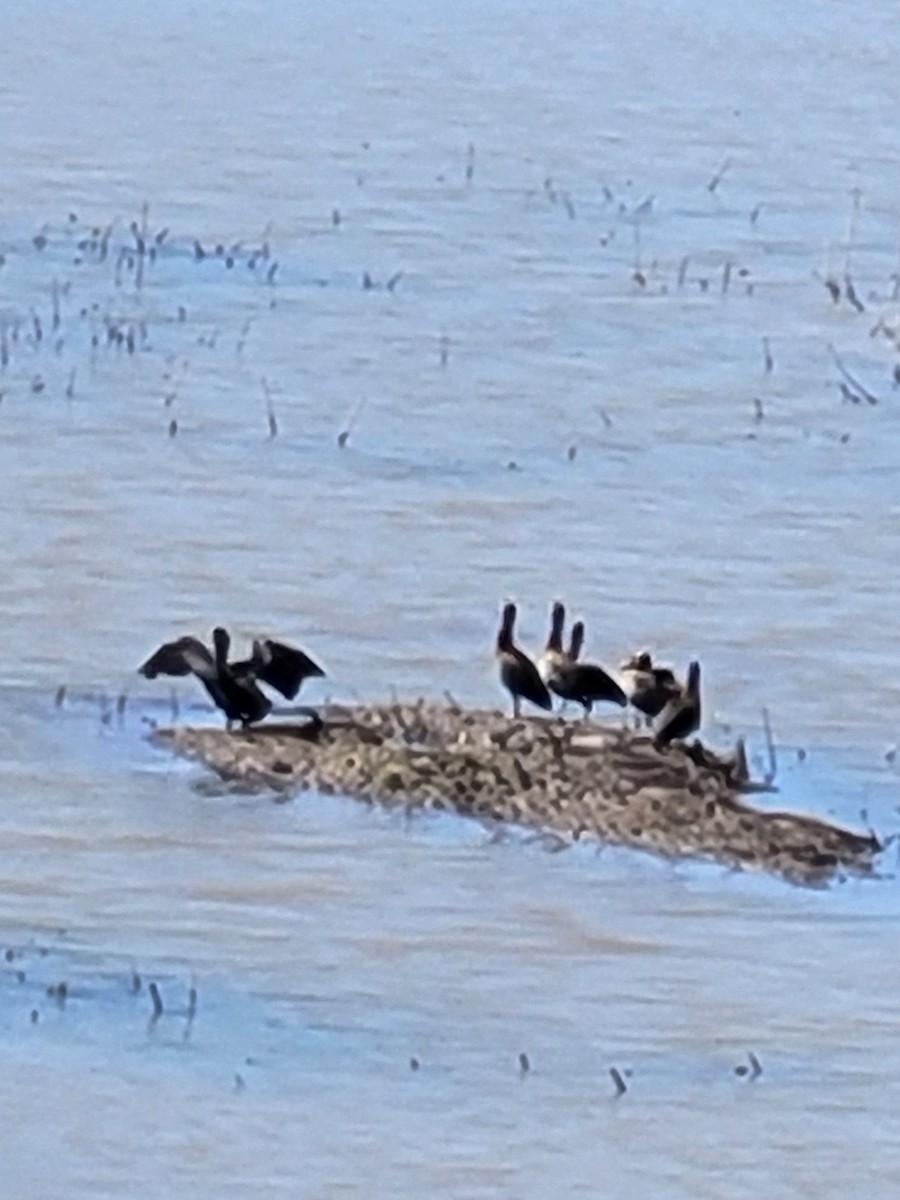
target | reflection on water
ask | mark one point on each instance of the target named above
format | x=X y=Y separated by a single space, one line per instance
x=588 y=287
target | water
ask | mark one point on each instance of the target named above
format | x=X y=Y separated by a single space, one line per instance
x=330 y=944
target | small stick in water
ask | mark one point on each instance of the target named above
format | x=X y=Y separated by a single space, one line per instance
x=767 y=352
x=70 y=386
x=856 y=195
x=470 y=163
x=191 y=1013
x=770 y=748
x=718 y=177
x=157 y=1003
x=754 y=1070
x=60 y=698
x=850 y=292
x=620 y=1084
x=348 y=429
x=854 y=383
x=524 y=1064
x=173 y=428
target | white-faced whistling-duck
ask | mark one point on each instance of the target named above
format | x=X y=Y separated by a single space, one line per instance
x=682 y=715
x=518 y=674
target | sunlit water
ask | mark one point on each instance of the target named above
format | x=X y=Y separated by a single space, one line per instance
x=329 y=944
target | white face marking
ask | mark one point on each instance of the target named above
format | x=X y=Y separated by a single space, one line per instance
x=549 y=663
x=634 y=681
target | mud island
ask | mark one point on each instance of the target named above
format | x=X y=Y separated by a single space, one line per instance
x=572 y=779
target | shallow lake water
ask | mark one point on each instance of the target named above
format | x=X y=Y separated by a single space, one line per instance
x=534 y=257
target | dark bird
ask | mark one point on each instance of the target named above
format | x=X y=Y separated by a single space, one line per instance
x=518 y=674
x=237 y=695
x=234 y=687
x=649 y=689
x=553 y=655
x=584 y=683
x=681 y=716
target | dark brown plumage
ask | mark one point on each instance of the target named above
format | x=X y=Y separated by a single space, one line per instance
x=585 y=683
x=649 y=689
x=576 y=641
x=682 y=715
x=518 y=674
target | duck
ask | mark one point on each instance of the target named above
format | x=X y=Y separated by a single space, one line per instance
x=234 y=687
x=682 y=715
x=553 y=656
x=584 y=683
x=518 y=674
x=649 y=689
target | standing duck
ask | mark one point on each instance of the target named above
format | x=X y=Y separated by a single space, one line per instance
x=649 y=689
x=518 y=674
x=585 y=683
x=681 y=716
x=553 y=656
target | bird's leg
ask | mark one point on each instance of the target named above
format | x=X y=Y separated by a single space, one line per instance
x=515 y=708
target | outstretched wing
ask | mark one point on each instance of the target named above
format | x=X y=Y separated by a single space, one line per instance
x=282 y=667
x=182 y=657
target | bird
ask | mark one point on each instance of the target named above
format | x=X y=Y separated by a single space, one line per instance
x=681 y=716
x=553 y=654
x=649 y=689
x=237 y=695
x=585 y=683
x=234 y=687
x=518 y=674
